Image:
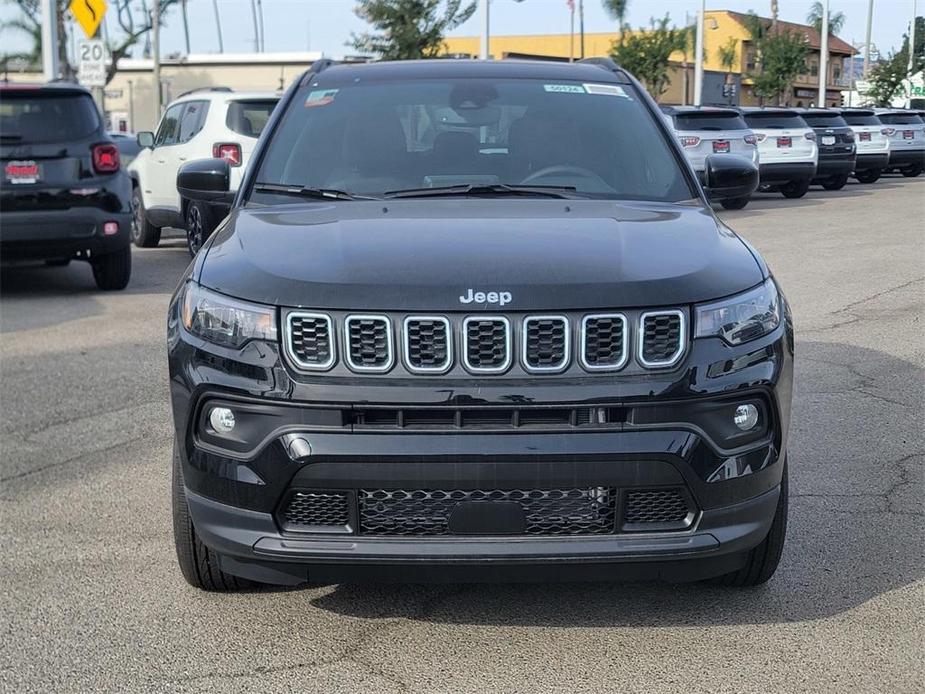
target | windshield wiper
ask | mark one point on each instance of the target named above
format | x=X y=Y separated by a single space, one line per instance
x=308 y=192
x=483 y=189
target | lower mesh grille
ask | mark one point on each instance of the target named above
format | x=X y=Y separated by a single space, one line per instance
x=323 y=511
x=416 y=512
x=655 y=507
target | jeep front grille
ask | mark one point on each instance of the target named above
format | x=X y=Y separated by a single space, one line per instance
x=428 y=343
x=487 y=343
x=661 y=338
x=311 y=340
x=369 y=343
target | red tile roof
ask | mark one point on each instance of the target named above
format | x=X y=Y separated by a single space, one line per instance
x=836 y=45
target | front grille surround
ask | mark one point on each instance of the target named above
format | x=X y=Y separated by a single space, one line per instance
x=675 y=356
x=321 y=320
x=526 y=345
x=508 y=357
x=587 y=364
x=439 y=368
x=389 y=360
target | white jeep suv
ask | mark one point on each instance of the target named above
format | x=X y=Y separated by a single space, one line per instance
x=212 y=122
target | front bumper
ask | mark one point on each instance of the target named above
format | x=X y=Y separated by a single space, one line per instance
x=660 y=434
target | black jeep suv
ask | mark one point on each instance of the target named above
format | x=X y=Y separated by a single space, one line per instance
x=837 y=149
x=64 y=194
x=469 y=320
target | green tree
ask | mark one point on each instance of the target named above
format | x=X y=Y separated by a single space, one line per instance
x=817 y=12
x=645 y=53
x=408 y=29
x=728 y=54
x=780 y=55
x=886 y=77
x=617 y=9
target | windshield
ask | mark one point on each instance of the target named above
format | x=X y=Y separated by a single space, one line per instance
x=249 y=117
x=709 y=121
x=900 y=119
x=774 y=121
x=36 y=116
x=824 y=120
x=373 y=138
x=861 y=119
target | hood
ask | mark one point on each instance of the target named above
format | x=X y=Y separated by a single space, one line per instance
x=431 y=255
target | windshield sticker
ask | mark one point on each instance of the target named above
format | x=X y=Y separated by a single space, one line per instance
x=320 y=97
x=564 y=88
x=606 y=90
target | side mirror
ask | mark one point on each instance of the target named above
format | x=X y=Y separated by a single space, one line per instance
x=145 y=139
x=207 y=180
x=729 y=176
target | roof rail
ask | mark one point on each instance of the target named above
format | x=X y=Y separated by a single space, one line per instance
x=315 y=68
x=205 y=89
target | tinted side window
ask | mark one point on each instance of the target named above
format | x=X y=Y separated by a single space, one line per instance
x=167 y=132
x=709 y=121
x=249 y=117
x=192 y=120
x=36 y=116
x=774 y=121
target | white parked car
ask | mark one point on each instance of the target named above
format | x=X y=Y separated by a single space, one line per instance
x=787 y=150
x=873 y=143
x=906 y=130
x=704 y=131
x=214 y=122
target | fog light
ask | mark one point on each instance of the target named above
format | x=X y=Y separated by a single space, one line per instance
x=222 y=420
x=746 y=417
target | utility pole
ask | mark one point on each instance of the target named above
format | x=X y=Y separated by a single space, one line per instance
x=185 y=25
x=218 y=26
x=156 y=53
x=912 y=41
x=870 y=21
x=824 y=55
x=486 y=29
x=581 y=26
x=49 y=40
x=698 y=58
x=256 y=30
x=263 y=44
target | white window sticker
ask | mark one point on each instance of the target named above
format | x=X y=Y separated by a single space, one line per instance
x=606 y=90
x=564 y=88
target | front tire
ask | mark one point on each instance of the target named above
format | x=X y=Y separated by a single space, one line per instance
x=835 y=183
x=199 y=226
x=113 y=270
x=795 y=189
x=198 y=564
x=764 y=559
x=912 y=171
x=144 y=234
x=868 y=175
x=734 y=203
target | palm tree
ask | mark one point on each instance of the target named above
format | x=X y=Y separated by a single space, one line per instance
x=814 y=18
x=617 y=9
x=727 y=58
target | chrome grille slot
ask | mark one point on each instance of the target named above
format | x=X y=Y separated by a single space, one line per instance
x=545 y=343
x=427 y=344
x=368 y=343
x=604 y=341
x=661 y=338
x=486 y=344
x=310 y=341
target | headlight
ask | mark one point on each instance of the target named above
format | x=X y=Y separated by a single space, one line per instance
x=741 y=318
x=226 y=321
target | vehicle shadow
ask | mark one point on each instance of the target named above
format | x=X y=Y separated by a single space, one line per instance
x=855 y=512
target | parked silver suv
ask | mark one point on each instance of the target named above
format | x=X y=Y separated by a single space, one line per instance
x=704 y=131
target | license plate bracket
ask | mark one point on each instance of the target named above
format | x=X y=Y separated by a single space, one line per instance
x=721 y=147
x=784 y=141
x=828 y=139
x=908 y=134
x=22 y=171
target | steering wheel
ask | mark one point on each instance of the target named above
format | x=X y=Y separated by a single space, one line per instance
x=562 y=170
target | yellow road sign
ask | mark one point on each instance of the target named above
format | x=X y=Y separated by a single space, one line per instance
x=89 y=14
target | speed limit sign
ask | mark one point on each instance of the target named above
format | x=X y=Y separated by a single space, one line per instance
x=91 y=66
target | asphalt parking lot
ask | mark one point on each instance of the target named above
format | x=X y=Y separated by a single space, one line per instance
x=93 y=599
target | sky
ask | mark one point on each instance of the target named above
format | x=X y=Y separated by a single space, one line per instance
x=326 y=25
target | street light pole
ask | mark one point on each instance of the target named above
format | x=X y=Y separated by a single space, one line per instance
x=49 y=40
x=823 y=55
x=698 y=58
x=912 y=40
x=870 y=21
x=156 y=53
x=486 y=28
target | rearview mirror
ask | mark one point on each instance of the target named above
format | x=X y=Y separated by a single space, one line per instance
x=729 y=176
x=207 y=180
x=145 y=139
